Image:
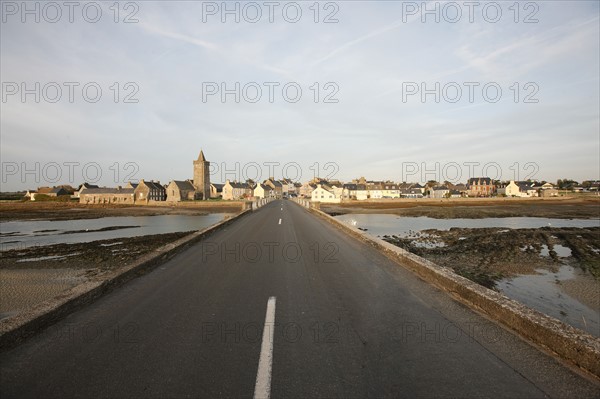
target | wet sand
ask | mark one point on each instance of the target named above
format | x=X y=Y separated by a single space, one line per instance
x=23 y=289
x=585 y=289
x=475 y=208
x=33 y=275
x=30 y=210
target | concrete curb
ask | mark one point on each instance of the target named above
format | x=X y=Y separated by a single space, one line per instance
x=16 y=329
x=567 y=342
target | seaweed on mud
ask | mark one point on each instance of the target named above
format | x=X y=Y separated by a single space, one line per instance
x=486 y=255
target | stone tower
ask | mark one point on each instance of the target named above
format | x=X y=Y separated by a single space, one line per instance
x=202 y=177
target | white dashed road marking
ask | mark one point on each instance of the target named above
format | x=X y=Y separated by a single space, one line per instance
x=262 y=389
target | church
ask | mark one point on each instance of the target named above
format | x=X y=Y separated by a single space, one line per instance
x=196 y=189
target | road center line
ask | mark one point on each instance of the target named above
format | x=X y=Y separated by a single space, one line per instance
x=280 y=221
x=262 y=389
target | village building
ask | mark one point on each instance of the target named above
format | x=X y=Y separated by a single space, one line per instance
x=390 y=190
x=236 y=191
x=117 y=195
x=306 y=189
x=480 y=187
x=520 y=189
x=180 y=190
x=510 y=190
x=548 y=192
x=277 y=186
x=47 y=191
x=146 y=191
x=461 y=188
x=84 y=186
x=288 y=187
x=411 y=193
x=263 y=191
x=439 y=192
x=354 y=191
x=528 y=189
x=375 y=190
x=216 y=190
x=324 y=193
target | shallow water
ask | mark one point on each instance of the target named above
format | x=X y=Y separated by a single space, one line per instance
x=382 y=224
x=24 y=234
x=543 y=292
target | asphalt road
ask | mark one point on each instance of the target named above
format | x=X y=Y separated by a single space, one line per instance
x=348 y=322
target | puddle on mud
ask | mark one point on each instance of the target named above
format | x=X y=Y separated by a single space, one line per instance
x=544 y=293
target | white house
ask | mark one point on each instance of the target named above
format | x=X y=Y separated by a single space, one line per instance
x=528 y=189
x=390 y=190
x=355 y=192
x=510 y=190
x=263 y=191
x=375 y=190
x=519 y=189
x=324 y=194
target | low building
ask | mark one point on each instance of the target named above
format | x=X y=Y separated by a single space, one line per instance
x=411 y=193
x=549 y=192
x=117 y=195
x=47 y=191
x=181 y=190
x=216 y=190
x=439 y=192
x=85 y=186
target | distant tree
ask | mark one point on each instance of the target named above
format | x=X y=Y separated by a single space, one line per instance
x=566 y=184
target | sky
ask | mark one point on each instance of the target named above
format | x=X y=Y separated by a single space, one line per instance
x=388 y=90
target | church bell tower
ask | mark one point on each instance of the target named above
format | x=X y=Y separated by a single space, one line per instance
x=202 y=176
